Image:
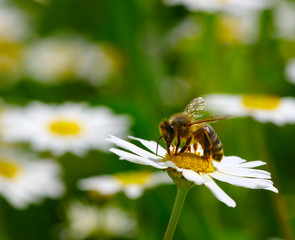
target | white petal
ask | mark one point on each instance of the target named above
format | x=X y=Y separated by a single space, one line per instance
x=151 y=145
x=135 y=158
x=252 y=164
x=171 y=165
x=229 y=160
x=253 y=183
x=273 y=189
x=131 y=147
x=104 y=184
x=193 y=176
x=157 y=178
x=218 y=192
x=133 y=191
x=245 y=172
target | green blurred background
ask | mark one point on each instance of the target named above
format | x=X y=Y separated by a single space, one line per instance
x=157 y=75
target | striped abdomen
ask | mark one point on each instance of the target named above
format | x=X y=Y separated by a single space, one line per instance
x=216 y=146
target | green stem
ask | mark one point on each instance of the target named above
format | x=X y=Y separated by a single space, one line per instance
x=183 y=187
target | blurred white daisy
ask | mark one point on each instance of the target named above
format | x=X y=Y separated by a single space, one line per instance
x=61 y=58
x=25 y=179
x=284 y=18
x=13 y=31
x=194 y=168
x=87 y=220
x=68 y=127
x=131 y=183
x=238 y=28
x=263 y=108
x=222 y=5
x=13 y=24
x=188 y=29
x=290 y=71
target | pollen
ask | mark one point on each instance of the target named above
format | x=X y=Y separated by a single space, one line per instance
x=261 y=102
x=65 y=128
x=8 y=169
x=191 y=161
x=139 y=178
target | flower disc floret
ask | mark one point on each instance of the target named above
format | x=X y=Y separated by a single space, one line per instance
x=191 y=161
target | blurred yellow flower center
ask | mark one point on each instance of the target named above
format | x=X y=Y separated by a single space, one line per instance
x=191 y=161
x=10 y=56
x=7 y=168
x=65 y=128
x=221 y=1
x=133 y=177
x=261 y=102
x=229 y=29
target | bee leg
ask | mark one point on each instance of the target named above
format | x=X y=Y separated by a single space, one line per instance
x=202 y=137
x=189 y=149
x=168 y=150
x=195 y=145
x=177 y=144
x=188 y=142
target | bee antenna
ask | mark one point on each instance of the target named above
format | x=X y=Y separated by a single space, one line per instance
x=158 y=145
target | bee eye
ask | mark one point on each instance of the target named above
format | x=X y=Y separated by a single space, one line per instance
x=171 y=130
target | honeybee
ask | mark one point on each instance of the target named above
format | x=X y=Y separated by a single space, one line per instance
x=184 y=129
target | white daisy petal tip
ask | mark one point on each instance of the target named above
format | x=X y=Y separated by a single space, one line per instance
x=273 y=189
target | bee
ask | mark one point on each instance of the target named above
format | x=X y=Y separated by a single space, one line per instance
x=184 y=129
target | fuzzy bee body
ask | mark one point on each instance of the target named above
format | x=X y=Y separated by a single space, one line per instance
x=208 y=139
x=183 y=129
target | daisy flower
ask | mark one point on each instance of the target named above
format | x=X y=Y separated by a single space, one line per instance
x=64 y=57
x=290 y=71
x=13 y=24
x=195 y=169
x=222 y=5
x=131 y=183
x=188 y=29
x=263 y=108
x=238 y=28
x=25 y=179
x=88 y=220
x=68 y=127
x=284 y=18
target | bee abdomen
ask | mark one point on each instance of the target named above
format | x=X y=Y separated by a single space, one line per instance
x=217 y=149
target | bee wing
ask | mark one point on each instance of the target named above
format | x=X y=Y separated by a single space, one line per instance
x=212 y=119
x=196 y=107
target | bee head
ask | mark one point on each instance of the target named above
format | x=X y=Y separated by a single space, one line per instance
x=167 y=132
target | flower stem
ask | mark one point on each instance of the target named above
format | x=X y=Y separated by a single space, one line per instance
x=183 y=187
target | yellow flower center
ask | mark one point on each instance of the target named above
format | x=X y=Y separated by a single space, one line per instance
x=65 y=128
x=261 y=102
x=8 y=169
x=191 y=161
x=133 y=177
